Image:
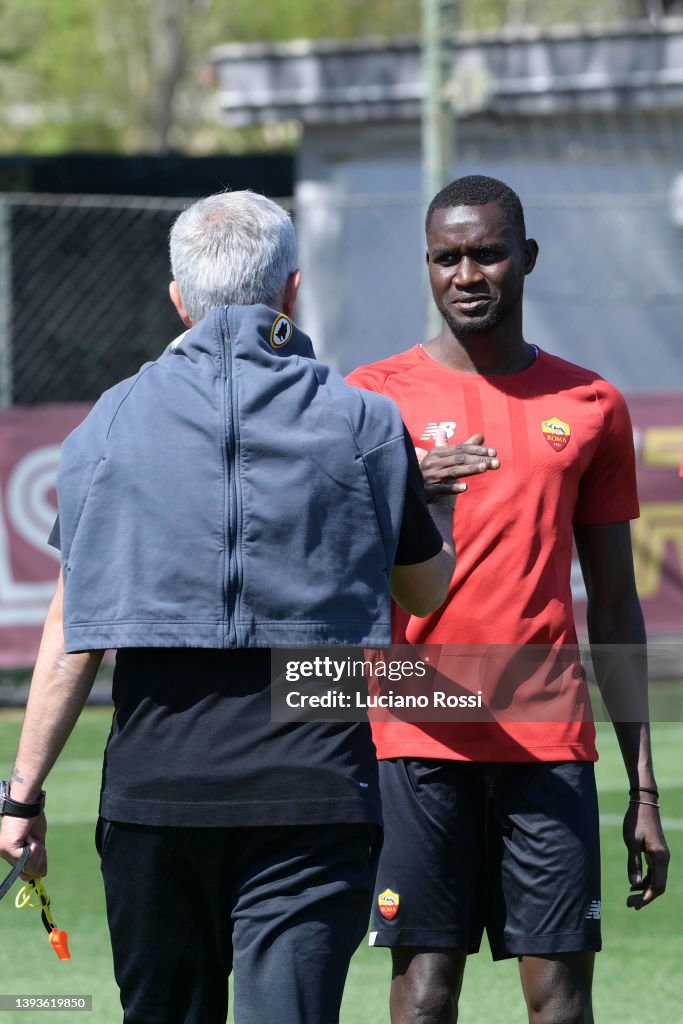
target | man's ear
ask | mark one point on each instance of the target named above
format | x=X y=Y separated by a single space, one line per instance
x=291 y=291
x=530 y=254
x=178 y=303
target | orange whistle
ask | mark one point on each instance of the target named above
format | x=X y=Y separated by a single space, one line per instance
x=60 y=943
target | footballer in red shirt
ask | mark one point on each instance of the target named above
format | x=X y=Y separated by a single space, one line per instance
x=494 y=823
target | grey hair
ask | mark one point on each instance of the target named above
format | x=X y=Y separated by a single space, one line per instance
x=232 y=249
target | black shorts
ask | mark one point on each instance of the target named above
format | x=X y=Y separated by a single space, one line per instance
x=513 y=848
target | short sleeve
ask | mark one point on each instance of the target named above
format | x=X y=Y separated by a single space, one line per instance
x=608 y=491
x=419 y=538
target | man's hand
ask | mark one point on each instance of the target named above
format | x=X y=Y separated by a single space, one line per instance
x=445 y=465
x=15 y=834
x=643 y=835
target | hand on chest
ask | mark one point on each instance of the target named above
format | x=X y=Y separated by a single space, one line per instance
x=540 y=442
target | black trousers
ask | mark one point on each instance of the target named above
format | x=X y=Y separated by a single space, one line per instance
x=285 y=907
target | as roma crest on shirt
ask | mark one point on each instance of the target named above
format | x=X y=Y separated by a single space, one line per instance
x=388 y=903
x=557 y=433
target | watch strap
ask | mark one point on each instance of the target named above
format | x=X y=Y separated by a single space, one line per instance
x=17 y=809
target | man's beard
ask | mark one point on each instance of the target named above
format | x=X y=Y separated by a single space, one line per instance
x=500 y=310
x=475 y=325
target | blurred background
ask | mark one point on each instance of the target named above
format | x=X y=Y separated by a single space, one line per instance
x=114 y=115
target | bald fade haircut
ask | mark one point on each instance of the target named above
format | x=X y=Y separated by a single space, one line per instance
x=478 y=190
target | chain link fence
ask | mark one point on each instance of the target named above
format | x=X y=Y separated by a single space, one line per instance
x=84 y=280
x=82 y=292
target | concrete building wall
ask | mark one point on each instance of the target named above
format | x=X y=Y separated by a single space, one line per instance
x=587 y=127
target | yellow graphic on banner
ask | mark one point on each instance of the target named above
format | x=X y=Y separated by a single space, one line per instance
x=660 y=524
x=663 y=447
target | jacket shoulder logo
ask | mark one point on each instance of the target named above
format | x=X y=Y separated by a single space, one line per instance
x=281 y=331
x=388 y=903
x=556 y=432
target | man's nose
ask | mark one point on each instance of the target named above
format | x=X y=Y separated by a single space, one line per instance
x=468 y=272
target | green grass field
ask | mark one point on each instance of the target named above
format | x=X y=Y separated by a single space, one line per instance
x=637 y=977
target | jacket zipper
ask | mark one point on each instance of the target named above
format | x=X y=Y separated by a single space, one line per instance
x=231 y=469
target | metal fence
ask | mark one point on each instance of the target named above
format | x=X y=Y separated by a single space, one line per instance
x=84 y=281
x=82 y=293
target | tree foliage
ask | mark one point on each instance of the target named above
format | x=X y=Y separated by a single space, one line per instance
x=126 y=75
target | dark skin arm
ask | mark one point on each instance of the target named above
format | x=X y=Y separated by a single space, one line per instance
x=421 y=589
x=615 y=619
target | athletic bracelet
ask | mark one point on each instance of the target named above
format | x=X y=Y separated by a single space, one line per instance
x=643 y=789
x=16 y=808
x=647 y=803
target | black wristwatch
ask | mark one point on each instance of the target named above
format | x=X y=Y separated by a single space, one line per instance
x=16 y=809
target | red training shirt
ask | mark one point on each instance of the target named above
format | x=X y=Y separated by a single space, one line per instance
x=565 y=444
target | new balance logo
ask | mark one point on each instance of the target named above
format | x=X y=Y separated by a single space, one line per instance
x=431 y=429
x=594 y=911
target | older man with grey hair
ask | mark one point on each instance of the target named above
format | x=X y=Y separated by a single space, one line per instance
x=235 y=495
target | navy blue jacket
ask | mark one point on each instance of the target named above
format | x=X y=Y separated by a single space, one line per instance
x=233 y=493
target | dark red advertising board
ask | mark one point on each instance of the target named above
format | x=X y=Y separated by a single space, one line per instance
x=29 y=454
x=658 y=533
x=30 y=439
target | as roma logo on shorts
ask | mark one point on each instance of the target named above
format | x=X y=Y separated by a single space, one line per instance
x=388 y=903
x=281 y=331
x=557 y=433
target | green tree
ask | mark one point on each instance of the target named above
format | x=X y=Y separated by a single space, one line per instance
x=98 y=74
x=126 y=75
x=51 y=91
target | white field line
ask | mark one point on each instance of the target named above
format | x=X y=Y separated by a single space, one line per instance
x=84 y=763
x=668 y=824
x=621 y=786
x=78 y=764
x=71 y=819
x=94 y=764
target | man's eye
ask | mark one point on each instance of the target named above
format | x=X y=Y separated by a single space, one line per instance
x=490 y=255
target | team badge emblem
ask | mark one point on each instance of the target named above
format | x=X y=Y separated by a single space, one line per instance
x=388 y=903
x=281 y=331
x=557 y=433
